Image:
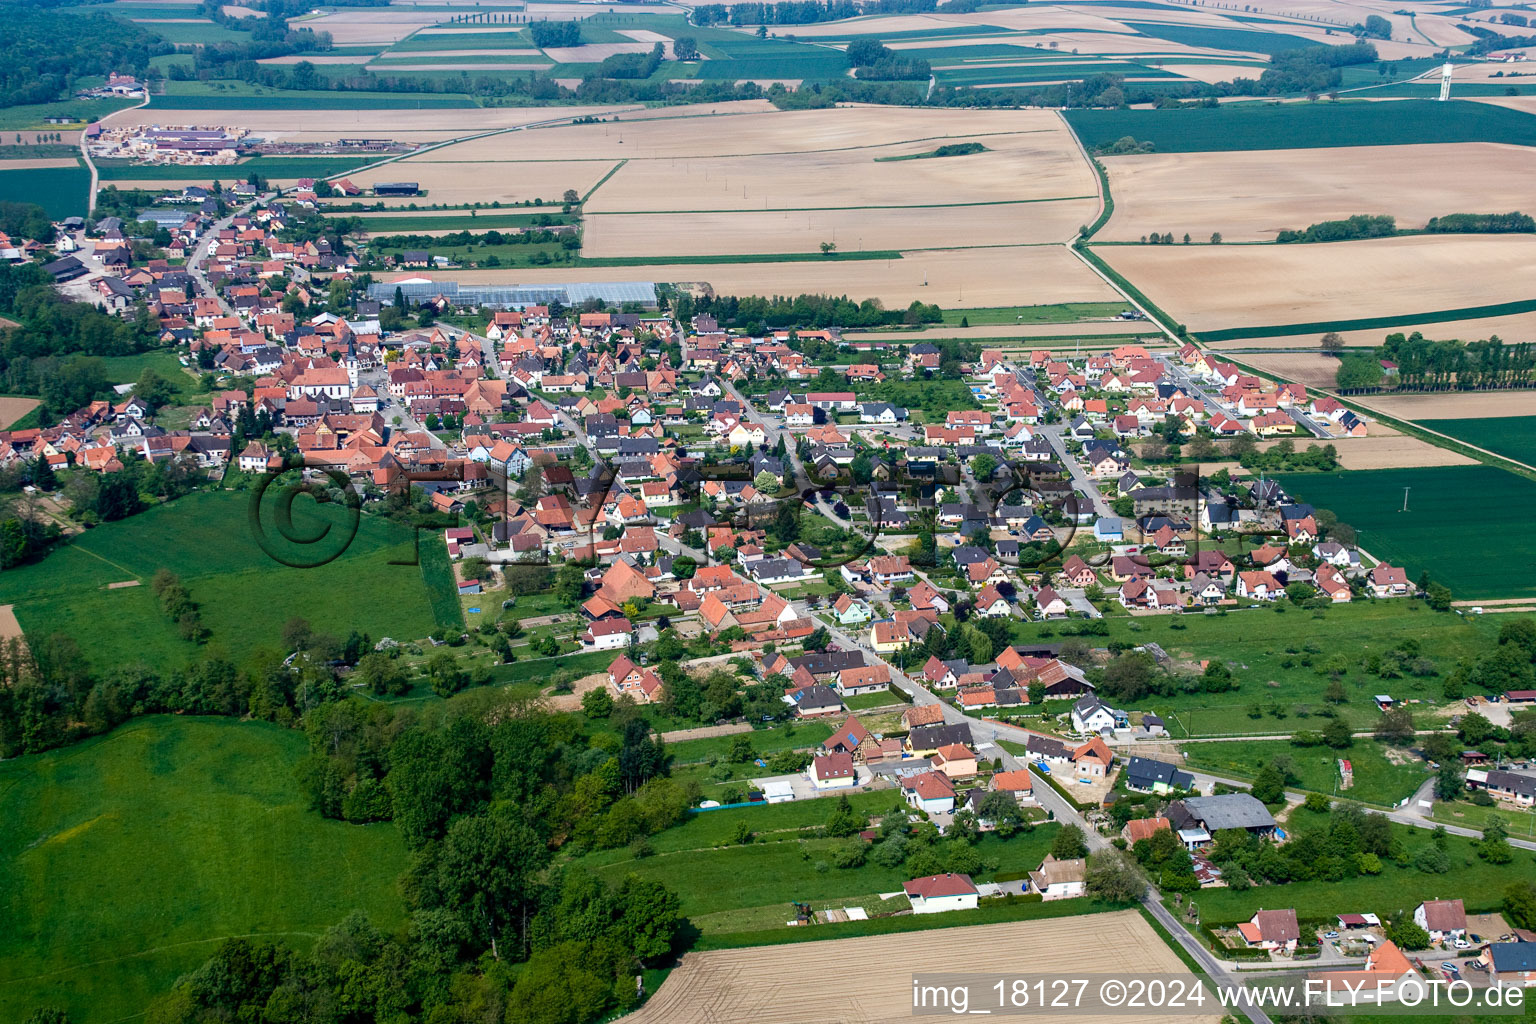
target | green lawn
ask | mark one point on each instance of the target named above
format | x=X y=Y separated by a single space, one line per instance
x=1479 y=550
x=284 y=168
x=1480 y=884
x=126 y=858
x=127 y=369
x=799 y=736
x=1514 y=436
x=208 y=539
x=1376 y=779
x=1057 y=313
x=1305 y=125
x=1267 y=652
x=1521 y=824
x=782 y=864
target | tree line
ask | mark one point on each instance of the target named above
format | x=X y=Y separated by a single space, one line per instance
x=815 y=312
x=1456 y=364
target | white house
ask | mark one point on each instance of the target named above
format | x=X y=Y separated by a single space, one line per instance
x=608 y=635
x=930 y=791
x=1091 y=715
x=938 y=893
x=1442 y=919
x=1059 y=879
x=832 y=771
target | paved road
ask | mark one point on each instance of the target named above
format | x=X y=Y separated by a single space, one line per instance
x=1055 y=434
x=197 y=265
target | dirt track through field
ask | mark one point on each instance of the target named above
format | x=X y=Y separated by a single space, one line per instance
x=869 y=980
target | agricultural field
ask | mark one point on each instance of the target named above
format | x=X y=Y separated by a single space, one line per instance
x=279 y=168
x=1284 y=660
x=869 y=978
x=208 y=540
x=1238 y=126
x=1294 y=288
x=126 y=858
x=61 y=190
x=1466 y=525
x=1250 y=195
x=1381 y=775
x=1514 y=436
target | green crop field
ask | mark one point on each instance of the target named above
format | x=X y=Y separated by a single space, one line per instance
x=1242 y=40
x=1479 y=884
x=59 y=190
x=32 y=115
x=1306 y=125
x=125 y=859
x=519 y=40
x=1376 y=779
x=1002 y=75
x=1514 y=436
x=1060 y=313
x=281 y=167
x=1282 y=659
x=245 y=596
x=1467 y=526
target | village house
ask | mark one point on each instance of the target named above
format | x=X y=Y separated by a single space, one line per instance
x=935 y=894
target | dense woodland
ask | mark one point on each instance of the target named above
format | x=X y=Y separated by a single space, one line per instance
x=815 y=312
x=43 y=54
x=50 y=354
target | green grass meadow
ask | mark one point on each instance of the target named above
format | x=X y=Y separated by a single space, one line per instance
x=781 y=865
x=1467 y=526
x=1479 y=884
x=1376 y=779
x=1514 y=436
x=1236 y=126
x=245 y=597
x=126 y=858
x=1267 y=652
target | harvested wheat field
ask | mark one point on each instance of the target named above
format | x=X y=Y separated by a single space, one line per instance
x=1029 y=165
x=1215 y=287
x=1250 y=196
x=457 y=183
x=1309 y=369
x=1390 y=451
x=716 y=234
x=1462 y=406
x=777 y=133
x=13 y=409
x=951 y=278
x=869 y=979
x=354 y=26
x=37 y=163
x=1213 y=72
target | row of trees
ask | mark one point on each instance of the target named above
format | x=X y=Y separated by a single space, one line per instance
x=807 y=311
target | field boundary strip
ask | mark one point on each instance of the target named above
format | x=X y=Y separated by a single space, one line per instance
x=1370 y=322
x=601 y=181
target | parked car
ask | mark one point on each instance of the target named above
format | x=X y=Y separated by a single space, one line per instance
x=1450 y=969
x=1330 y=935
x=1463 y=944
